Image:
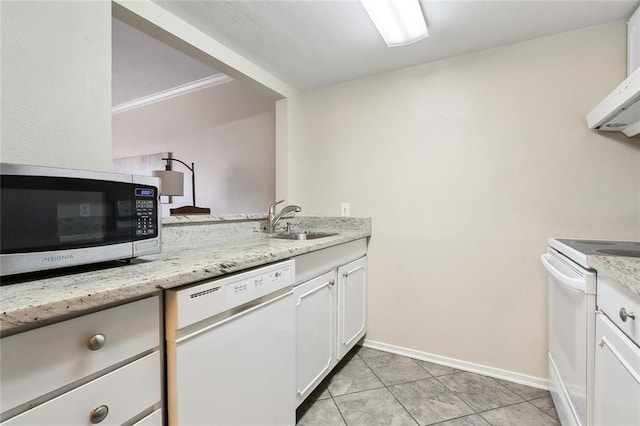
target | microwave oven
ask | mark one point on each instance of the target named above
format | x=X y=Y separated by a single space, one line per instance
x=54 y=218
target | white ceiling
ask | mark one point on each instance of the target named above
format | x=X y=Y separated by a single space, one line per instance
x=314 y=43
x=142 y=66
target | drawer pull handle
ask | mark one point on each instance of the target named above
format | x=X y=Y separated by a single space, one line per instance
x=96 y=341
x=98 y=414
x=624 y=315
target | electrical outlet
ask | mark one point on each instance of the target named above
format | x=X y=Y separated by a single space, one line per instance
x=344 y=209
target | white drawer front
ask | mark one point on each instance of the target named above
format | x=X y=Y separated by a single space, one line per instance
x=612 y=299
x=45 y=359
x=153 y=419
x=126 y=392
x=312 y=264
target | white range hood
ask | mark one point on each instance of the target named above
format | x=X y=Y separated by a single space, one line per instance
x=620 y=111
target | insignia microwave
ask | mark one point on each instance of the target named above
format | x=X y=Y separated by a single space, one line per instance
x=54 y=218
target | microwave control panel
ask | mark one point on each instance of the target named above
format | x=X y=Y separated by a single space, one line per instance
x=146 y=217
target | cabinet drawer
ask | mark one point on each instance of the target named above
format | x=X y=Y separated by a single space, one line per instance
x=318 y=262
x=153 y=419
x=125 y=392
x=43 y=360
x=613 y=298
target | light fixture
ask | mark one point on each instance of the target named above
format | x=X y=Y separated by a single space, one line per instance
x=172 y=183
x=400 y=22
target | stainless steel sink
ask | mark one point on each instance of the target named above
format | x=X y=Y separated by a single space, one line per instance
x=303 y=235
x=620 y=252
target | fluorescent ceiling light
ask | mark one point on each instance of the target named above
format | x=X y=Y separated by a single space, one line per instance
x=400 y=22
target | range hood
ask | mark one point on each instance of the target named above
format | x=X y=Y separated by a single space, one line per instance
x=620 y=111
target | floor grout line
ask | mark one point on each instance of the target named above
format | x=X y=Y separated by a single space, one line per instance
x=339 y=411
x=456 y=395
x=511 y=405
x=402 y=405
x=394 y=395
x=385 y=387
x=543 y=412
x=356 y=356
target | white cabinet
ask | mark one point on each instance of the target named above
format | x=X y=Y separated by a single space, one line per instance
x=617 y=381
x=104 y=364
x=330 y=310
x=115 y=397
x=352 y=299
x=617 y=365
x=315 y=332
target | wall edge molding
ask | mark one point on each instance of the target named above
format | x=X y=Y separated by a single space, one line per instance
x=512 y=376
x=183 y=89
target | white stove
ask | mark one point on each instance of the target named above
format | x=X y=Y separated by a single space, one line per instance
x=578 y=250
x=571 y=322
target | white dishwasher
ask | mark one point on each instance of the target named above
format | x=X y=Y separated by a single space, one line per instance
x=231 y=349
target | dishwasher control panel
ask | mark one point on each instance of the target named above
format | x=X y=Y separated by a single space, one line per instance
x=189 y=305
x=243 y=291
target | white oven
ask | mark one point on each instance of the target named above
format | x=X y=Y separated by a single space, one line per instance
x=571 y=335
x=572 y=323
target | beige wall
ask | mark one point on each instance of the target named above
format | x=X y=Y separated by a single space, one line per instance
x=56 y=83
x=466 y=167
x=227 y=130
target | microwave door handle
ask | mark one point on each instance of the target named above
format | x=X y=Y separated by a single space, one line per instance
x=574 y=283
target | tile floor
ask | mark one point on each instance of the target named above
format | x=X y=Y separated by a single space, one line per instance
x=372 y=387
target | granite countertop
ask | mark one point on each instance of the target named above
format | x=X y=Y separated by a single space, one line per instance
x=193 y=250
x=625 y=270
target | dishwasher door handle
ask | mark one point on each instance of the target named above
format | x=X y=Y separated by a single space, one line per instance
x=574 y=283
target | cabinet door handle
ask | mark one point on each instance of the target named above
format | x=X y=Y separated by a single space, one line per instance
x=96 y=341
x=624 y=315
x=332 y=283
x=98 y=414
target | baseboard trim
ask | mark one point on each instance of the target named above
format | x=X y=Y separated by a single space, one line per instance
x=523 y=379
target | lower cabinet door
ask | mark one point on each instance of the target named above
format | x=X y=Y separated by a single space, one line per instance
x=352 y=301
x=315 y=332
x=617 y=381
x=111 y=399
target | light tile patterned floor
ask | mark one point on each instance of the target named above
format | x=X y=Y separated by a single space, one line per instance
x=372 y=387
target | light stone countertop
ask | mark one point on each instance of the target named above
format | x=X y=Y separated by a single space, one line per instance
x=193 y=250
x=625 y=270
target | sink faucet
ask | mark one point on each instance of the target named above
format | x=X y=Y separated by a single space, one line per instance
x=273 y=217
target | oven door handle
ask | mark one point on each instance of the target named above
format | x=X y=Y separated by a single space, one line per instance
x=574 y=283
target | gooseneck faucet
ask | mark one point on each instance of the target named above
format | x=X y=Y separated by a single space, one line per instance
x=273 y=217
